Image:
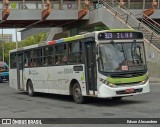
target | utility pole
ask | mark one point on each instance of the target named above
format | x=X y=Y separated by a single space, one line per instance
x=16 y=39
x=2 y=45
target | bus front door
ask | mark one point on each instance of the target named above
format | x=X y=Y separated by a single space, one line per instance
x=20 y=71
x=90 y=62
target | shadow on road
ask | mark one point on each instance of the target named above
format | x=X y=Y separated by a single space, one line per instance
x=111 y=103
x=90 y=100
x=4 y=82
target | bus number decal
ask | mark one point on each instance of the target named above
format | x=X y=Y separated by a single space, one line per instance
x=68 y=71
x=33 y=72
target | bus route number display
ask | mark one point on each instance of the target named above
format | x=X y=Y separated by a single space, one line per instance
x=119 y=35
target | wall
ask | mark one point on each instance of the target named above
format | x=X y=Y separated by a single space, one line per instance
x=33 y=31
x=153 y=59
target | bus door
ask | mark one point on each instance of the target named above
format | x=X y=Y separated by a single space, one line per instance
x=90 y=65
x=19 y=60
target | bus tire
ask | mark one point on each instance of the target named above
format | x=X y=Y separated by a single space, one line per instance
x=116 y=98
x=77 y=94
x=30 y=88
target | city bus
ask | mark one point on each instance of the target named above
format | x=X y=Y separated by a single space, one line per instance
x=103 y=64
x=4 y=72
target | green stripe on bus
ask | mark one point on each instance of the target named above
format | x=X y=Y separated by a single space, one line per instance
x=82 y=77
x=121 y=30
x=127 y=80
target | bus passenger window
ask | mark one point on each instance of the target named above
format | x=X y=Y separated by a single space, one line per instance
x=30 y=62
x=65 y=59
x=65 y=48
x=58 y=59
x=34 y=63
x=79 y=57
x=25 y=63
x=46 y=62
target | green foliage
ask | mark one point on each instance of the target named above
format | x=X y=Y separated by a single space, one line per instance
x=34 y=39
x=7 y=47
x=98 y=28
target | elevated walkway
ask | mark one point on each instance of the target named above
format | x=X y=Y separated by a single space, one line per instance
x=26 y=18
x=39 y=13
x=116 y=16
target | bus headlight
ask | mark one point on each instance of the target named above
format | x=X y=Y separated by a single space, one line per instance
x=144 y=81
x=111 y=85
x=104 y=81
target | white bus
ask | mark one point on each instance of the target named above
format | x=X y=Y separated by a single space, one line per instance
x=104 y=64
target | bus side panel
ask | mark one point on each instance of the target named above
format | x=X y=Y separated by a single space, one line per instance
x=56 y=80
x=60 y=77
x=40 y=79
x=26 y=77
x=76 y=72
x=13 y=78
x=38 y=76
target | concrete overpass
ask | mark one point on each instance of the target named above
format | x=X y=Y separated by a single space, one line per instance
x=40 y=13
x=54 y=13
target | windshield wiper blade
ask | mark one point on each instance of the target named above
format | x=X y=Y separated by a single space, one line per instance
x=117 y=47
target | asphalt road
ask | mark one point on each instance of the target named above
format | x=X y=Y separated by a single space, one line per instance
x=14 y=104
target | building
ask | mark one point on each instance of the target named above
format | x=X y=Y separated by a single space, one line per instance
x=6 y=37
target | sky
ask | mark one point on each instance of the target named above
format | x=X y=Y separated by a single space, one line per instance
x=13 y=32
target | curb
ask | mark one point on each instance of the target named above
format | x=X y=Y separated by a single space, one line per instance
x=154 y=80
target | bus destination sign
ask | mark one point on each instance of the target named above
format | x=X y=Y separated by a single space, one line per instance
x=119 y=35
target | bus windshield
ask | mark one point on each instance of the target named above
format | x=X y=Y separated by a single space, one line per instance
x=118 y=57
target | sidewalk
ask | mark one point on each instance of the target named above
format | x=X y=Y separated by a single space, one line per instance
x=154 y=80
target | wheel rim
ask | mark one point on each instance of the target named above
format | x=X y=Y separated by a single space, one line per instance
x=29 y=90
x=77 y=93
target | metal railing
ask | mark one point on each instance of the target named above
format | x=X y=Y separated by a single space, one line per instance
x=38 y=5
x=129 y=19
x=144 y=18
x=151 y=23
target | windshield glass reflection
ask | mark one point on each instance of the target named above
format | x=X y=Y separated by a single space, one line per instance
x=116 y=57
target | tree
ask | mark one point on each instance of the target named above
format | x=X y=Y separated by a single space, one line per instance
x=34 y=39
x=7 y=47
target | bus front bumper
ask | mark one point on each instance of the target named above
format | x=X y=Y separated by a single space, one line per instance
x=4 y=77
x=105 y=91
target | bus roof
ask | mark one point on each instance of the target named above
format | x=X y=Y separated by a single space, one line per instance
x=62 y=40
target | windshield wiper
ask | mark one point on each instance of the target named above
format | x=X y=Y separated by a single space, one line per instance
x=117 y=46
x=121 y=49
x=134 y=53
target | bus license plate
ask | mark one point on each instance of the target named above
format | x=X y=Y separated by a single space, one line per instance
x=129 y=90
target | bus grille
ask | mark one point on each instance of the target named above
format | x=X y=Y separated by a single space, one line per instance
x=124 y=91
x=128 y=84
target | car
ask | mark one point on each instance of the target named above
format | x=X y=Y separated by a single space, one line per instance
x=4 y=72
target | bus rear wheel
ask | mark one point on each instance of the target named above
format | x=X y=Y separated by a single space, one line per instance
x=77 y=94
x=30 y=89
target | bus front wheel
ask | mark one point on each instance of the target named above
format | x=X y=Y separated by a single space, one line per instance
x=30 y=89
x=77 y=94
